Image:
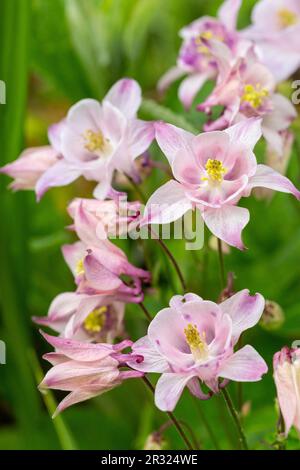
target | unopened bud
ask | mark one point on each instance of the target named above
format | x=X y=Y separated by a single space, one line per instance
x=272 y=317
x=155 y=441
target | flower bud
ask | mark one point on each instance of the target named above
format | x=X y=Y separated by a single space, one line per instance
x=155 y=441
x=272 y=317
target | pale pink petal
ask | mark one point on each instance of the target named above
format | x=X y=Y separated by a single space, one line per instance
x=247 y=132
x=227 y=223
x=266 y=177
x=98 y=277
x=190 y=86
x=196 y=390
x=55 y=134
x=140 y=135
x=223 y=335
x=153 y=360
x=166 y=205
x=177 y=301
x=79 y=351
x=169 y=389
x=245 y=311
x=60 y=174
x=173 y=74
x=171 y=139
x=126 y=96
x=286 y=393
x=73 y=254
x=228 y=13
x=245 y=365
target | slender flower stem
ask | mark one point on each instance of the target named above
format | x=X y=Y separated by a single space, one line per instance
x=144 y=309
x=137 y=189
x=236 y=419
x=170 y=256
x=207 y=425
x=172 y=418
x=222 y=267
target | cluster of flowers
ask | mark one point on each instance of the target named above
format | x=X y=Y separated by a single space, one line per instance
x=193 y=341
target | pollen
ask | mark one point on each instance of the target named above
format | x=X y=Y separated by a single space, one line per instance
x=94 y=141
x=287 y=18
x=215 y=170
x=95 y=321
x=79 y=269
x=196 y=341
x=254 y=95
x=205 y=35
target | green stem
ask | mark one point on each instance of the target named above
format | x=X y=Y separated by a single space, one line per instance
x=222 y=266
x=137 y=189
x=172 y=418
x=207 y=425
x=144 y=309
x=236 y=419
x=64 y=435
x=170 y=256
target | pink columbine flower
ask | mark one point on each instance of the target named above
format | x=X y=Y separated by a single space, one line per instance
x=86 y=370
x=286 y=365
x=114 y=217
x=212 y=172
x=95 y=139
x=98 y=270
x=195 y=59
x=276 y=31
x=91 y=318
x=192 y=342
x=246 y=88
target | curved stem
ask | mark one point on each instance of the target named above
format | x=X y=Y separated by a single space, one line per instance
x=144 y=309
x=221 y=261
x=172 y=418
x=207 y=425
x=171 y=257
x=236 y=419
x=137 y=189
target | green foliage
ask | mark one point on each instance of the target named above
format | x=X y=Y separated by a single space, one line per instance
x=72 y=49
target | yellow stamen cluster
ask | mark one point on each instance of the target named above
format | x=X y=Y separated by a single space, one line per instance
x=254 y=95
x=205 y=35
x=215 y=170
x=196 y=342
x=79 y=269
x=287 y=18
x=94 y=141
x=95 y=321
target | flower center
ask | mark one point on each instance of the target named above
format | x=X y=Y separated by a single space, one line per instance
x=215 y=170
x=287 y=18
x=79 y=268
x=254 y=95
x=95 y=141
x=205 y=35
x=95 y=321
x=196 y=342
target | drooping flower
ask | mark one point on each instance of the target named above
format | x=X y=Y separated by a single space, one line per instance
x=98 y=270
x=34 y=162
x=91 y=318
x=195 y=59
x=192 y=343
x=286 y=365
x=212 y=172
x=95 y=139
x=114 y=217
x=246 y=88
x=86 y=370
x=275 y=29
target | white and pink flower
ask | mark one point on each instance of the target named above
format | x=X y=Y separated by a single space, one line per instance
x=286 y=365
x=275 y=30
x=94 y=140
x=86 y=370
x=246 y=88
x=212 y=172
x=195 y=59
x=90 y=318
x=192 y=343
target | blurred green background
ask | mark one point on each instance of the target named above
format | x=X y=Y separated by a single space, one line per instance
x=53 y=53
